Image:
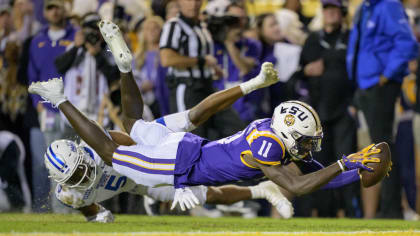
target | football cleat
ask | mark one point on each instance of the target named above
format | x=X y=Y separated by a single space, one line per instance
x=277 y=199
x=119 y=49
x=51 y=91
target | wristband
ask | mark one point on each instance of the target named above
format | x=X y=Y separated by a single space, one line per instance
x=341 y=165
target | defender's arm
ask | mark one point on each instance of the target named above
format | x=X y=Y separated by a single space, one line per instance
x=89 y=131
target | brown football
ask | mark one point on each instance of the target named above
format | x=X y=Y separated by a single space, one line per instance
x=379 y=169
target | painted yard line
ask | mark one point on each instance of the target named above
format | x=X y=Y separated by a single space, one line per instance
x=370 y=233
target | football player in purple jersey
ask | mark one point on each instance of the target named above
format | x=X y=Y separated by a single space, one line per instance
x=268 y=147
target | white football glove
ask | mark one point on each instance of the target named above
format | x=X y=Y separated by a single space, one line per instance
x=103 y=216
x=266 y=77
x=186 y=198
x=51 y=91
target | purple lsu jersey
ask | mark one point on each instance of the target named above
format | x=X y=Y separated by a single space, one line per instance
x=222 y=161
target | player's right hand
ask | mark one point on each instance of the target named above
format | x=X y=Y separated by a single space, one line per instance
x=359 y=159
x=185 y=198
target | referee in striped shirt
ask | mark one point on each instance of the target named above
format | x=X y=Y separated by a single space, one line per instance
x=186 y=48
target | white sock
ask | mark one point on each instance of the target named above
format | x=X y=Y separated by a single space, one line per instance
x=256 y=192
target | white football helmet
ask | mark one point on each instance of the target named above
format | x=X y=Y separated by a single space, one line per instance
x=299 y=127
x=70 y=165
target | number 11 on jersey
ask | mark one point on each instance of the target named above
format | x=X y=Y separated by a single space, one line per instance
x=265 y=148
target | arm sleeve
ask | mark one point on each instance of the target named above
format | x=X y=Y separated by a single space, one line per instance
x=171 y=36
x=266 y=148
x=343 y=179
x=177 y=122
x=405 y=46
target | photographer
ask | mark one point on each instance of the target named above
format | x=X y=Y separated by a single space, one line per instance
x=238 y=56
x=88 y=71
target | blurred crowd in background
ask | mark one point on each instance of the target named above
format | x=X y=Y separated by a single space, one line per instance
x=355 y=62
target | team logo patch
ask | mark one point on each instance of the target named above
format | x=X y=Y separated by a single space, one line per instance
x=289 y=120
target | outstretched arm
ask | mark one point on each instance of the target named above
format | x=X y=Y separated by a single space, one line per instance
x=299 y=184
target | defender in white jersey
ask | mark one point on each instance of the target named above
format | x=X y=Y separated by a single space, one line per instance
x=107 y=183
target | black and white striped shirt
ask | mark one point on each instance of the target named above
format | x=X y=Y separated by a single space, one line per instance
x=188 y=39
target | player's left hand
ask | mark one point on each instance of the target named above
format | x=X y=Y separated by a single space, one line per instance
x=359 y=159
x=186 y=199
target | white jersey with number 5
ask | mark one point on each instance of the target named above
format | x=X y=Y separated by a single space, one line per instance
x=108 y=183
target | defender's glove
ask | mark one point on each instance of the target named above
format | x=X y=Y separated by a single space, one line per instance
x=266 y=77
x=359 y=159
x=51 y=91
x=185 y=197
x=103 y=216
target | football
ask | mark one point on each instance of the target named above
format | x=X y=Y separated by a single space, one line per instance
x=379 y=169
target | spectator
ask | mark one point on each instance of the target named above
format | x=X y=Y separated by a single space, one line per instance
x=45 y=47
x=12 y=94
x=323 y=63
x=186 y=48
x=239 y=58
x=416 y=133
x=290 y=24
x=269 y=34
x=381 y=44
x=148 y=65
x=404 y=143
x=172 y=10
x=82 y=7
x=88 y=69
x=50 y=42
x=6 y=28
x=13 y=183
x=24 y=21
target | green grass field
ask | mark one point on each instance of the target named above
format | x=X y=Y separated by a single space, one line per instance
x=53 y=224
